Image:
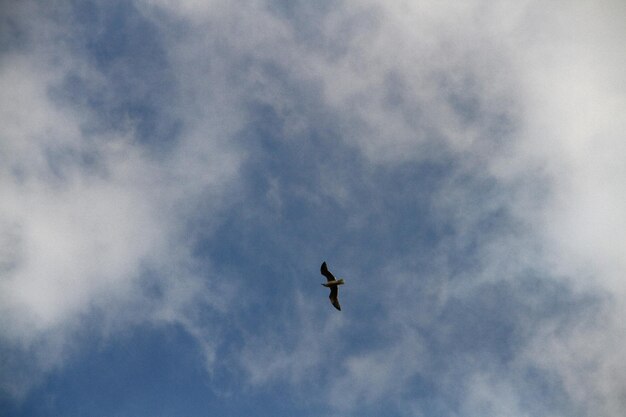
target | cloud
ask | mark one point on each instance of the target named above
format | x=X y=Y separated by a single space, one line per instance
x=522 y=100
x=526 y=101
x=468 y=156
x=574 y=94
x=93 y=217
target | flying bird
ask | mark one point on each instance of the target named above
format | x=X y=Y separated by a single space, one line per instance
x=332 y=283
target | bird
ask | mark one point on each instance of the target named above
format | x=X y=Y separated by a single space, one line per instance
x=333 y=284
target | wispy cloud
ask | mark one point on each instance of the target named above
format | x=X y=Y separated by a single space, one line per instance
x=94 y=217
x=461 y=165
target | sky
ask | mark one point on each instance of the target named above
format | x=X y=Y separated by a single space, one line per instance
x=173 y=173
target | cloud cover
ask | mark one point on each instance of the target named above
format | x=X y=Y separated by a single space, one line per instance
x=158 y=156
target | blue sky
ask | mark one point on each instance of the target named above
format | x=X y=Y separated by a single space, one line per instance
x=174 y=173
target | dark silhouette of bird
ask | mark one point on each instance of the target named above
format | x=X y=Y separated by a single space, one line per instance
x=333 y=284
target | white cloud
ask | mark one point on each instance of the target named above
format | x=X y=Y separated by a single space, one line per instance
x=526 y=94
x=551 y=78
x=373 y=377
x=575 y=96
x=90 y=218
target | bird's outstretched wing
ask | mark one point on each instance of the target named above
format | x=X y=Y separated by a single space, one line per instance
x=334 y=300
x=324 y=270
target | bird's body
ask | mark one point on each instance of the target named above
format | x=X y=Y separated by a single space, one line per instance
x=332 y=283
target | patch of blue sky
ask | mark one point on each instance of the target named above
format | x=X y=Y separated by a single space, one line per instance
x=146 y=371
x=134 y=88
